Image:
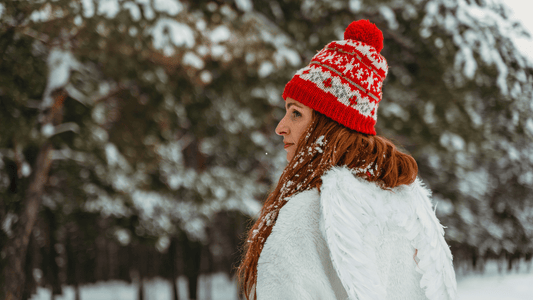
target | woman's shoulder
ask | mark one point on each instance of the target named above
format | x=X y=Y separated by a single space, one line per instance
x=341 y=178
x=301 y=205
x=406 y=206
x=401 y=201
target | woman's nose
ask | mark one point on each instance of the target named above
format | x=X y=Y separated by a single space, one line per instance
x=282 y=129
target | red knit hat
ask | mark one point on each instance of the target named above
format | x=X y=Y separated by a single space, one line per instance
x=343 y=80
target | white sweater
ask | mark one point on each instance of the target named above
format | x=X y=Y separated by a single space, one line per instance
x=356 y=241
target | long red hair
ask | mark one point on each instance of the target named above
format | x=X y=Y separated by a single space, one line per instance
x=323 y=145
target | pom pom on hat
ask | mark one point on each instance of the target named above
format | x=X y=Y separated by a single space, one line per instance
x=365 y=32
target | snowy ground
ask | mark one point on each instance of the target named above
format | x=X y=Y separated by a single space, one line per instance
x=221 y=287
x=500 y=287
x=492 y=285
x=517 y=285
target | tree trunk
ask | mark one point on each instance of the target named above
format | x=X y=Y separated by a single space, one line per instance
x=77 y=291
x=172 y=251
x=52 y=275
x=73 y=267
x=206 y=268
x=29 y=284
x=140 y=291
x=17 y=246
x=192 y=257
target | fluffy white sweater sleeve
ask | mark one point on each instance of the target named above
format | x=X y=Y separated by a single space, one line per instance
x=356 y=241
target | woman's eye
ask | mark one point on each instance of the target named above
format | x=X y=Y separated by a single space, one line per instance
x=296 y=113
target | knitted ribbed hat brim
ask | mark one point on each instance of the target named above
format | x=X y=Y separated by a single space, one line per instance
x=325 y=103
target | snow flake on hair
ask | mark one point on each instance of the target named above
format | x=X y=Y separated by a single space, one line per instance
x=370 y=170
x=285 y=188
x=270 y=218
x=321 y=140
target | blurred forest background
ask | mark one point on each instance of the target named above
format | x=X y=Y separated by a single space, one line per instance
x=137 y=137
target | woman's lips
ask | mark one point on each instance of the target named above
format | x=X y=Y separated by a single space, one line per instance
x=288 y=145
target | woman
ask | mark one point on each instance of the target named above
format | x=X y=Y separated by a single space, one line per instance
x=348 y=218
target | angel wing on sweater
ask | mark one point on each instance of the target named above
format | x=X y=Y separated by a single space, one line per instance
x=427 y=235
x=354 y=215
x=350 y=221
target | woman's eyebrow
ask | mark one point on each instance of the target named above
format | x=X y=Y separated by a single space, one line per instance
x=291 y=104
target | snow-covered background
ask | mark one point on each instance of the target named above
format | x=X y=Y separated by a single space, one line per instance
x=491 y=285
x=522 y=11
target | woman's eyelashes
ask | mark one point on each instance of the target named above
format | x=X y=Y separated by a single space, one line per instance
x=296 y=114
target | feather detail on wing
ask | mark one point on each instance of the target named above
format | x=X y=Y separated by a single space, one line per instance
x=427 y=235
x=351 y=228
x=354 y=215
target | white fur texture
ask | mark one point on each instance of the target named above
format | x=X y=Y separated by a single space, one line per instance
x=356 y=241
x=294 y=263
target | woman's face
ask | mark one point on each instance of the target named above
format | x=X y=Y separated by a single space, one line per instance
x=296 y=120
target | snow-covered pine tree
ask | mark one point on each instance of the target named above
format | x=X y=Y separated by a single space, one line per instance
x=165 y=110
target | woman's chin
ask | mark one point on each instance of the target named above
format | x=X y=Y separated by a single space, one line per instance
x=289 y=156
